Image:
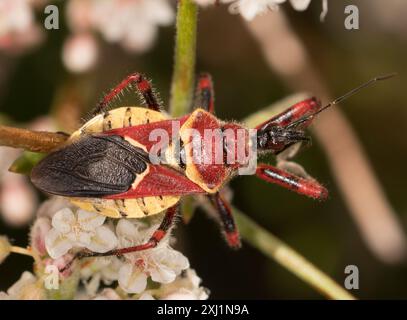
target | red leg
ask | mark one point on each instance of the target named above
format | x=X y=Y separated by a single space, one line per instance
x=308 y=187
x=204 y=93
x=304 y=111
x=142 y=86
x=292 y=114
x=228 y=223
x=157 y=236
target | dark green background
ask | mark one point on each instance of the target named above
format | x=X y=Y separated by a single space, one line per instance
x=322 y=232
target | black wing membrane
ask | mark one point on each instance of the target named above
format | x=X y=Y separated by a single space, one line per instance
x=94 y=166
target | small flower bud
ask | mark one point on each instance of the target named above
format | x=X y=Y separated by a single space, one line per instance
x=80 y=53
x=17 y=200
x=38 y=233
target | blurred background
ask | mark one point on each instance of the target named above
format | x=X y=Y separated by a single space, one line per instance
x=46 y=86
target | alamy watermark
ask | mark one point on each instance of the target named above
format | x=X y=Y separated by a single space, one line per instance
x=352 y=279
x=51 y=22
x=352 y=19
x=351 y=22
x=51 y=279
x=234 y=147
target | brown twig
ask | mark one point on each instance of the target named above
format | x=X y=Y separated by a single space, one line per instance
x=35 y=141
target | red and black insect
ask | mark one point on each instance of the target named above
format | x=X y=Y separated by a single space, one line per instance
x=106 y=165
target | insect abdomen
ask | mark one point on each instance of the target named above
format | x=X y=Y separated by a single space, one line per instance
x=132 y=208
x=126 y=208
x=118 y=118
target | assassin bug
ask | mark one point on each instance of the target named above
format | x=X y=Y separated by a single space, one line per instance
x=105 y=166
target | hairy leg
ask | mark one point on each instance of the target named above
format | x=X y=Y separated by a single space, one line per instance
x=142 y=86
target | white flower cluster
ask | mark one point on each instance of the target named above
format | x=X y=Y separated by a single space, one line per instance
x=132 y=24
x=129 y=23
x=249 y=9
x=18 y=28
x=61 y=230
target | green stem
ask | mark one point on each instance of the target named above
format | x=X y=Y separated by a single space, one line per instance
x=184 y=65
x=274 y=248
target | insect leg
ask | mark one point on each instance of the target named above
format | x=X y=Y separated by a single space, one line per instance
x=308 y=187
x=157 y=236
x=142 y=86
x=204 y=93
x=292 y=114
x=228 y=223
x=302 y=113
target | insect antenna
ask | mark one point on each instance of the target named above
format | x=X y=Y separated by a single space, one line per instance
x=341 y=98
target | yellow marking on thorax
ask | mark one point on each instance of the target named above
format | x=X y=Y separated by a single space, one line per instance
x=190 y=171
